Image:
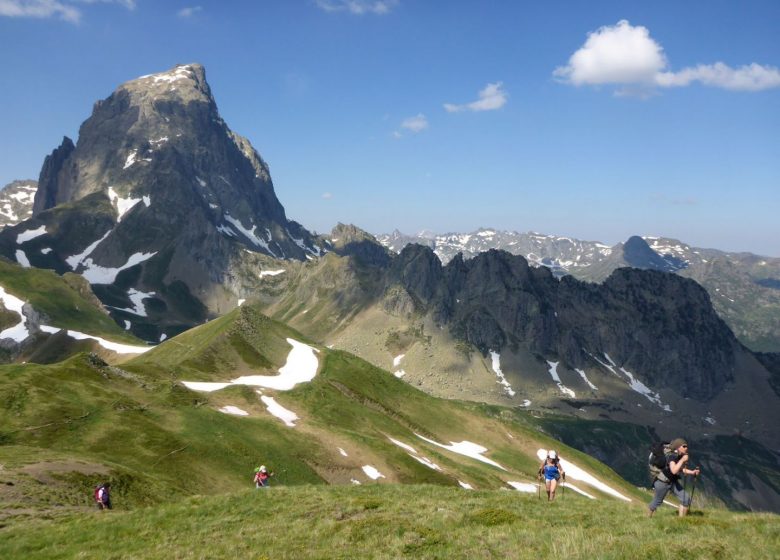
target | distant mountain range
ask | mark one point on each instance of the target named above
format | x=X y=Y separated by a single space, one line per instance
x=744 y=288
x=16 y=202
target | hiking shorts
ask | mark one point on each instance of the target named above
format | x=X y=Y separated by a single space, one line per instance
x=662 y=489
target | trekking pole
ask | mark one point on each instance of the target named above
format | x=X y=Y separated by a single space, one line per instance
x=539 y=484
x=693 y=491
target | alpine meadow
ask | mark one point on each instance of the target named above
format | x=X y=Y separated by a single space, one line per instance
x=576 y=355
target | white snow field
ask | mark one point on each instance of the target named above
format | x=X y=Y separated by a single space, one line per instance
x=412 y=452
x=554 y=374
x=230 y=409
x=137 y=299
x=271 y=272
x=576 y=473
x=402 y=445
x=372 y=473
x=585 y=379
x=473 y=450
x=301 y=367
x=523 y=486
x=107 y=344
x=19 y=331
x=465 y=485
x=25 y=236
x=495 y=359
x=75 y=260
x=124 y=205
x=425 y=461
x=21 y=258
x=285 y=415
x=397 y=362
x=97 y=274
x=633 y=382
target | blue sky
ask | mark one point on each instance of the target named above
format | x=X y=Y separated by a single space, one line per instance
x=597 y=120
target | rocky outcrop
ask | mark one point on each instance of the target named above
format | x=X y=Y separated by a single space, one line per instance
x=350 y=240
x=52 y=173
x=651 y=322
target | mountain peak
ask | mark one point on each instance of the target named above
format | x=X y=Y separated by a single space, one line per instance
x=159 y=183
x=185 y=81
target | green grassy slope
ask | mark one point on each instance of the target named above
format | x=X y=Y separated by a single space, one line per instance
x=66 y=301
x=382 y=521
x=67 y=426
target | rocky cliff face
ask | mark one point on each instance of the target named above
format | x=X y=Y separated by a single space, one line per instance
x=744 y=288
x=660 y=324
x=156 y=203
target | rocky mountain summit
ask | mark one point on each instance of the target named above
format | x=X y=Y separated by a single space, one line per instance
x=155 y=205
x=16 y=202
x=744 y=288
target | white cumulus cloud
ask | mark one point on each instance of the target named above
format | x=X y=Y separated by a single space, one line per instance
x=751 y=77
x=358 y=7
x=491 y=97
x=39 y=9
x=43 y=9
x=627 y=56
x=189 y=11
x=415 y=124
x=129 y=4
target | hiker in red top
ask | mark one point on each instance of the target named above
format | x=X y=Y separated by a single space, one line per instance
x=262 y=477
x=103 y=496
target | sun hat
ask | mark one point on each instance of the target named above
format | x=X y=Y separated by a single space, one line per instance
x=262 y=468
x=551 y=454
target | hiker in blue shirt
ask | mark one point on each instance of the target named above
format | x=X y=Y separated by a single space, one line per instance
x=552 y=471
x=669 y=477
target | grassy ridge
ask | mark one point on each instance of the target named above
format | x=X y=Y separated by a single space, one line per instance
x=156 y=440
x=381 y=521
x=61 y=301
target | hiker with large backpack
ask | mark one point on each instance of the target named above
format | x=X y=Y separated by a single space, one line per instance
x=667 y=466
x=103 y=496
x=551 y=471
x=262 y=477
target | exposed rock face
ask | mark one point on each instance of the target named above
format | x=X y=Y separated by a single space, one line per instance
x=349 y=240
x=16 y=202
x=52 y=173
x=744 y=288
x=158 y=200
x=660 y=324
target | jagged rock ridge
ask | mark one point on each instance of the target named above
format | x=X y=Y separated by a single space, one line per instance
x=656 y=323
x=744 y=288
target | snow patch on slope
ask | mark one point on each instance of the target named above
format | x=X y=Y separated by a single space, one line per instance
x=554 y=374
x=495 y=359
